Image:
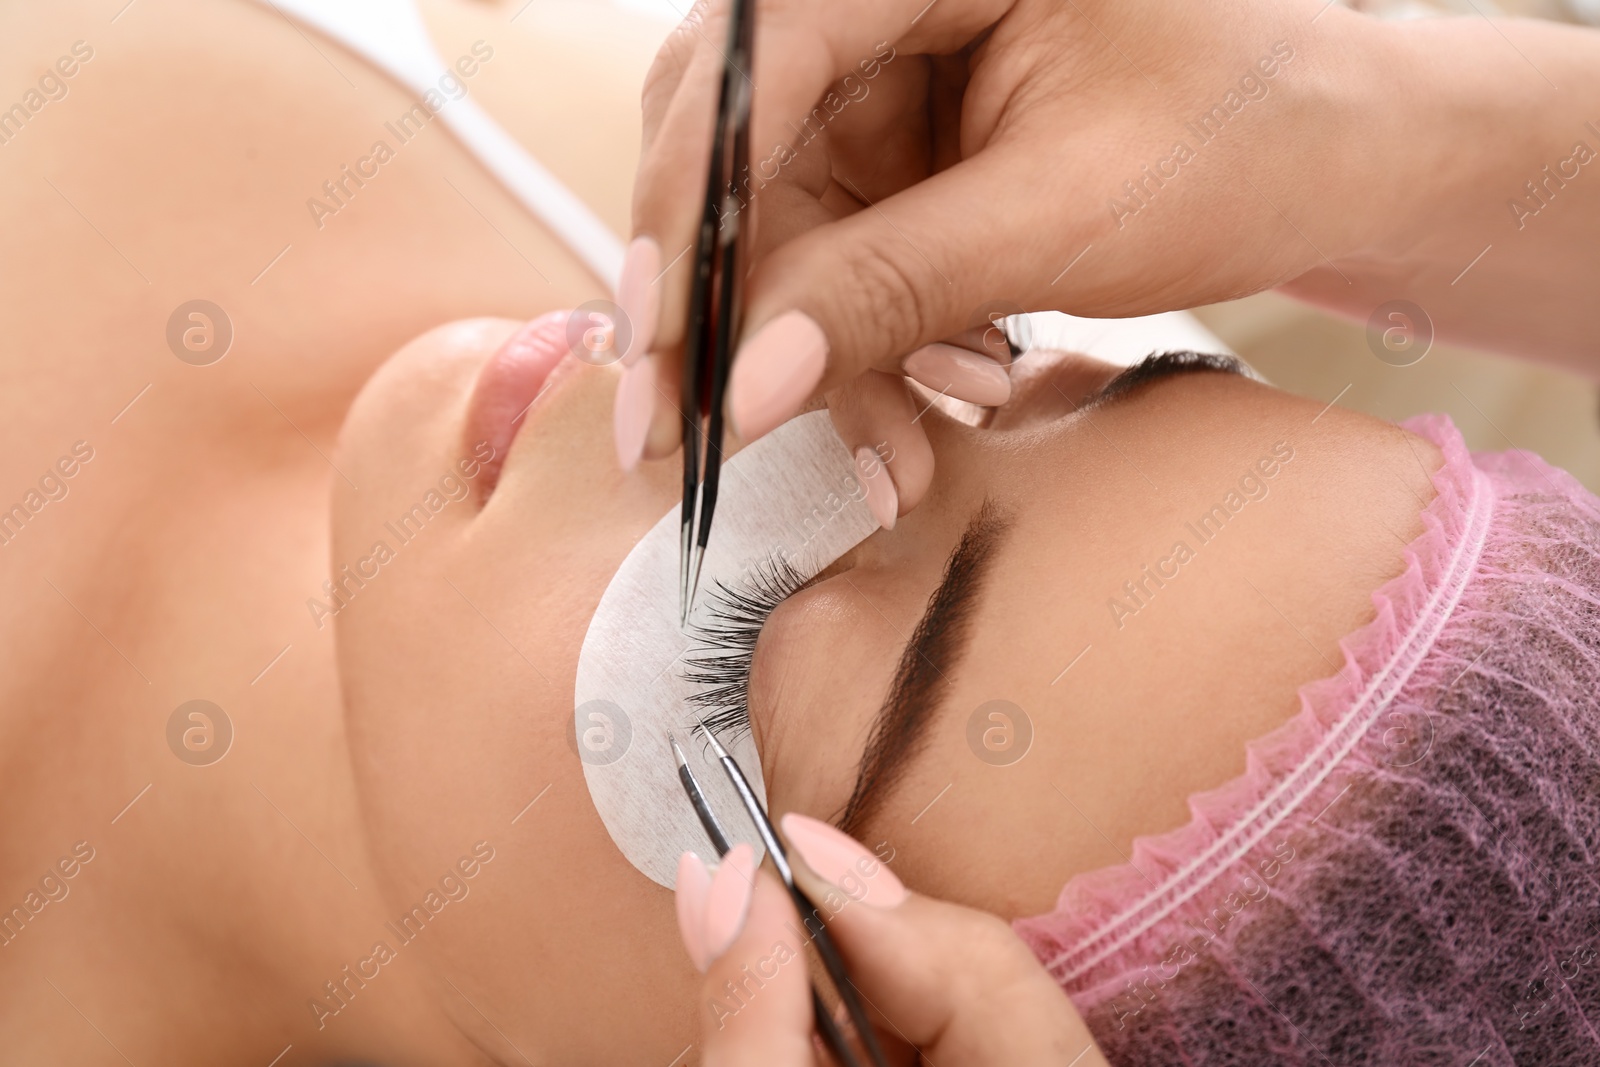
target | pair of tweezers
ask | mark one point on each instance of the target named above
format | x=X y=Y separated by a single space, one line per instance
x=714 y=305
x=832 y=1036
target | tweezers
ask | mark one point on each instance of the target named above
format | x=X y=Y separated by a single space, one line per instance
x=827 y=1027
x=715 y=306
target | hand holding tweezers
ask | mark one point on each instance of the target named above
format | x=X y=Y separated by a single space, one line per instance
x=715 y=304
x=832 y=962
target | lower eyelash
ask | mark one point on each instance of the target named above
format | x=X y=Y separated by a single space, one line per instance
x=725 y=644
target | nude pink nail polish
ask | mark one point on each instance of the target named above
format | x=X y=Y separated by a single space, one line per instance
x=844 y=861
x=774 y=373
x=639 y=295
x=882 y=498
x=631 y=411
x=728 y=901
x=959 y=373
x=694 y=884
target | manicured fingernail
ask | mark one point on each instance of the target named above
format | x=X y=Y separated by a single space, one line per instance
x=631 y=411
x=959 y=373
x=842 y=860
x=639 y=295
x=728 y=900
x=774 y=372
x=882 y=499
x=694 y=883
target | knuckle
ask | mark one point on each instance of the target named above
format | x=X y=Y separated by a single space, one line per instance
x=888 y=303
x=679 y=139
x=666 y=70
x=994 y=942
x=705 y=22
x=683 y=50
x=673 y=58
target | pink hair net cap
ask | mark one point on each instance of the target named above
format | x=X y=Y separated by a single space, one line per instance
x=1406 y=871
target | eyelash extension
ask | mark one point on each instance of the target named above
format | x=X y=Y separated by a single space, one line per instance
x=725 y=645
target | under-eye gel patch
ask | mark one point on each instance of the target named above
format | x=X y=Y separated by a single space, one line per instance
x=794 y=496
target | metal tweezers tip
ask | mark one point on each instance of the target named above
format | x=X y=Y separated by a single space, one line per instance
x=691 y=586
x=716 y=746
x=683 y=580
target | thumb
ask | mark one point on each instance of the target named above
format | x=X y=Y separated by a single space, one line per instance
x=864 y=291
x=955 y=982
x=741 y=930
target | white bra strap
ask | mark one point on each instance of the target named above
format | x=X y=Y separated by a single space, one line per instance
x=541 y=192
x=391 y=35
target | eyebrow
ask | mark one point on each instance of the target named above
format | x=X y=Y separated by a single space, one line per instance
x=937 y=645
x=939 y=640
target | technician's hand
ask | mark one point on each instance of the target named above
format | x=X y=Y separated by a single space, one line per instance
x=954 y=983
x=918 y=166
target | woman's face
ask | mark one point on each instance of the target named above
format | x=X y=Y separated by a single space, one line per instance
x=483 y=514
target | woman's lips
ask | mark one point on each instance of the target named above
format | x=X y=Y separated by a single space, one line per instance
x=508 y=386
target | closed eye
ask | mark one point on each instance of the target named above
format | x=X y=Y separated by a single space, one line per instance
x=724 y=649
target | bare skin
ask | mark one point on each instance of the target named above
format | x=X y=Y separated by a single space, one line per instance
x=180 y=563
x=1189 y=154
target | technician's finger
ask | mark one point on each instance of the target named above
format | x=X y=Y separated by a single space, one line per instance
x=680 y=102
x=957 y=983
x=803 y=48
x=739 y=927
x=661 y=81
x=863 y=291
x=647 y=419
x=878 y=420
x=800 y=51
x=639 y=285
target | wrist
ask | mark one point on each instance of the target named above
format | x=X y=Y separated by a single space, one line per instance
x=1443 y=122
x=1382 y=159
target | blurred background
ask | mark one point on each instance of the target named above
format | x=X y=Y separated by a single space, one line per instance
x=1498 y=403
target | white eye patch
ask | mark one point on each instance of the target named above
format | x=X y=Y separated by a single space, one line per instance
x=794 y=496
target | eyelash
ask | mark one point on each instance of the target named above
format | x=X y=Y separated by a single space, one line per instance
x=725 y=648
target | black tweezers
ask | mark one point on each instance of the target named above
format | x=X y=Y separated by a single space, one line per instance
x=714 y=298
x=832 y=1036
